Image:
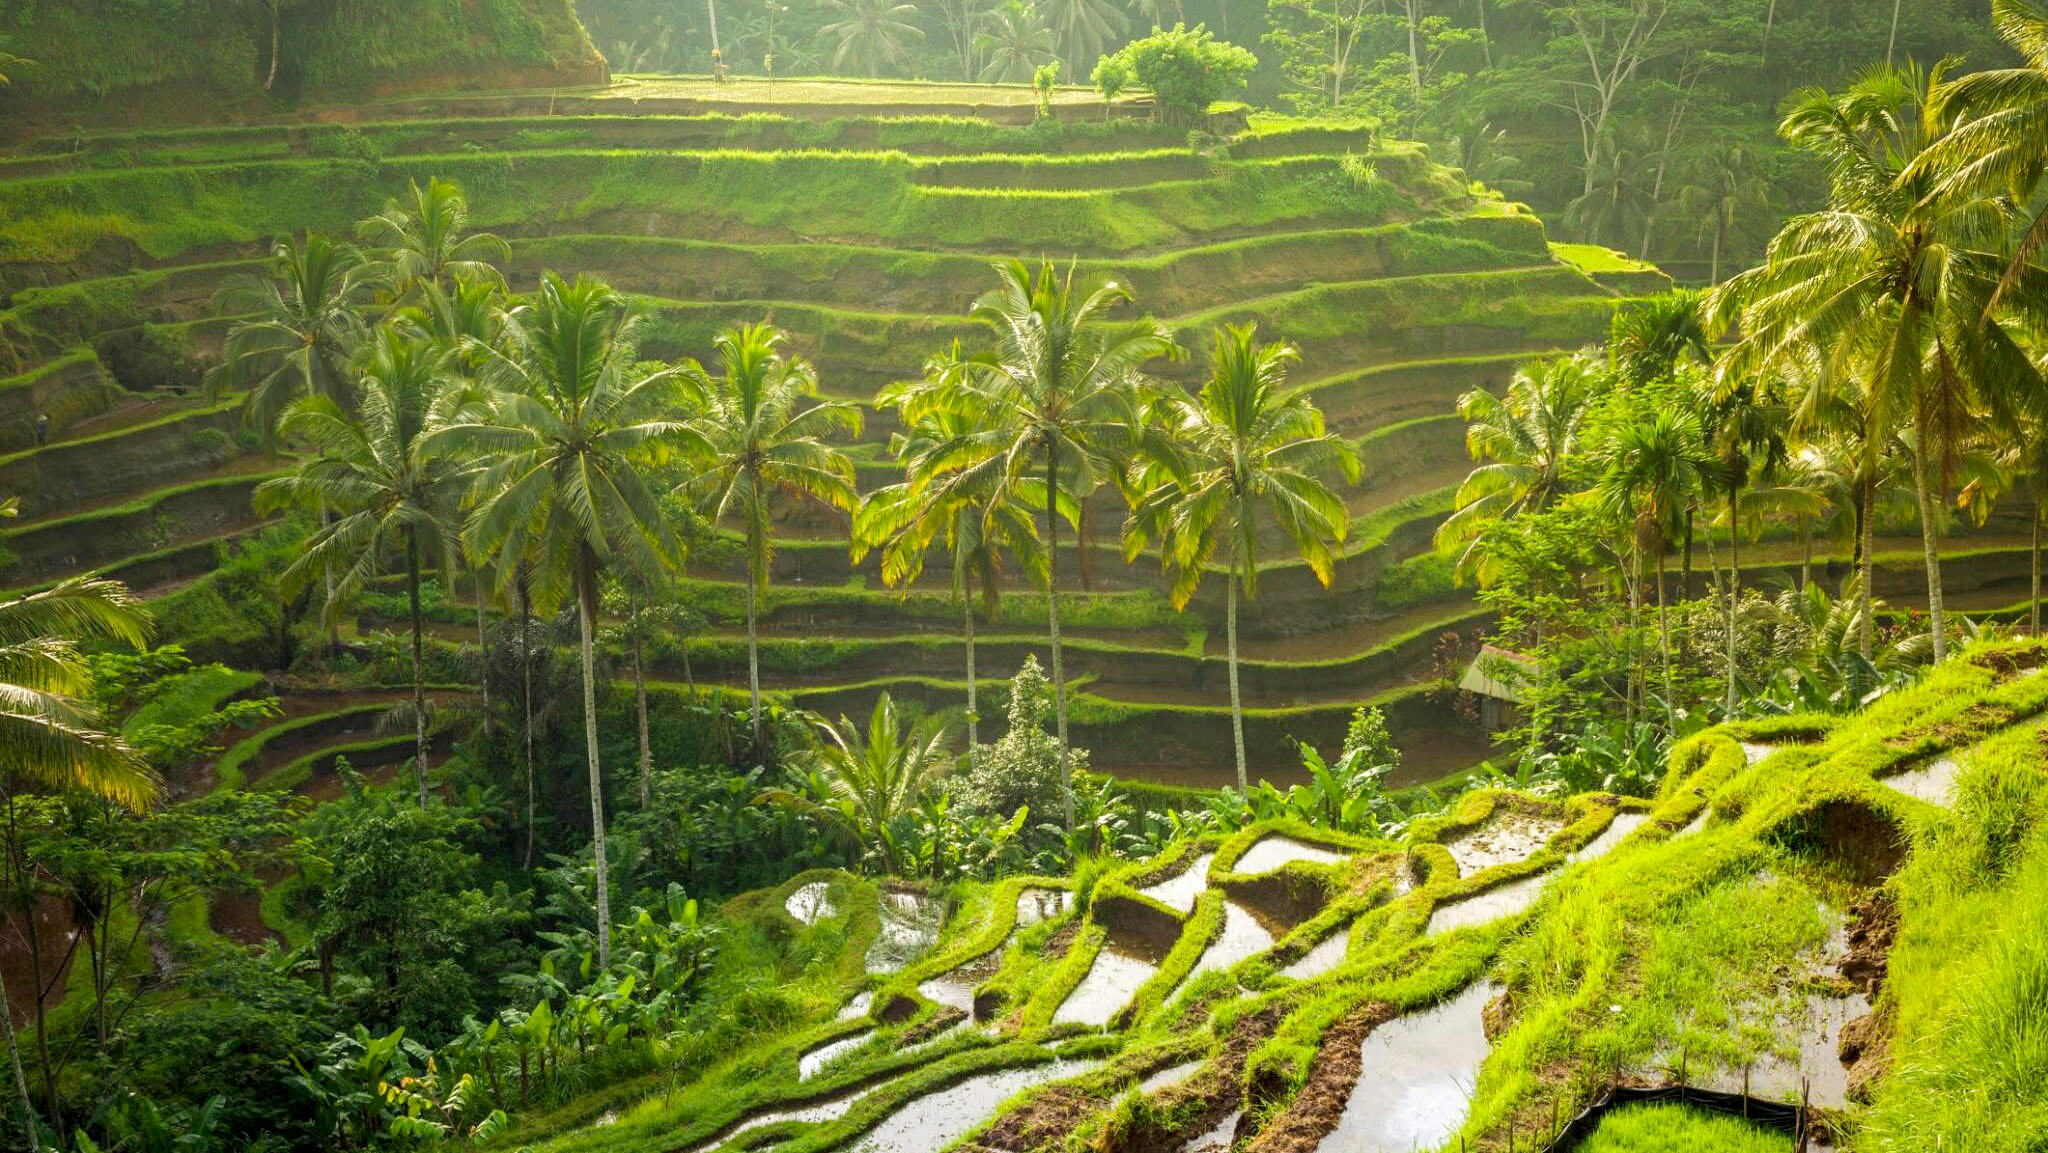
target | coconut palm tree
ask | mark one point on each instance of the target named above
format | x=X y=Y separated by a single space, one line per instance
x=1239 y=452
x=424 y=240
x=563 y=488
x=1013 y=42
x=979 y=520
x=50 y=735
x=865 y=783
x=1523 y=441
x=2001 y=144
x=1654 y=469
x=1056 y=398
x=1899 y=275
x=299 y=326
x=1723 y=194
x=764 y=431
x=1747 y=435
x=870 y=33
x=1084 y=29
x=373 y=470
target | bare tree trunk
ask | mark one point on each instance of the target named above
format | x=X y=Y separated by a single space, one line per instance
x=1236 y=702
x=753 y=649
x=1866 y=641
x=586 y=612
x=276 y=38
x=1664 y=645
x=973 y=708
x=526 y=679
x=483 y=651
x=1052 y=613
x=28 y=1109
x=1734 y=583
x=419 y=684
x=1930 y=543
x=640 y=702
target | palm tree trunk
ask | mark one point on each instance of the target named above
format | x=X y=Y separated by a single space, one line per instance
x=526 y=679
x=586 y=613
x=753 y=646
x=640 y=702
x=973 y=707
x=483 y=651
x=276 y=38
x=1236 y=702
x=1635 y=659
x=1734 y=582
x=1866 y=641
x=419 y=684
x=1929 y=542
x=1052 y=613
x=1891 y=47
x=1664 y=646
x=1805 y=552
x=28 y=1109
x=2034 y=572
x=1770 y=18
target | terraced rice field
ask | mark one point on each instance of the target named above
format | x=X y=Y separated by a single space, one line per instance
x=862 y=219
x=1287 y=988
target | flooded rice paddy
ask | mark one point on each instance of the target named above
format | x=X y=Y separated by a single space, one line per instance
x=1415 y=1078
x=1270 y=853
x=1180 y=890
x=940 y=1118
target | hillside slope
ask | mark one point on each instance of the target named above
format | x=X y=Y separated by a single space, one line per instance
x=169 y=61
x=1838 y=914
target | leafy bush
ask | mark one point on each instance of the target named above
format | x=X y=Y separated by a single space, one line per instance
x=1022 y=769
x=1186 y=69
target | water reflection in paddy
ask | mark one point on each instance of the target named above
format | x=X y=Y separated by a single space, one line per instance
x=1242 y=936
x=940 y=1118
x=1110 y=982
x=1616 y=830
x=1272 y=852
x=1180 y=890
x=1415 y=1079
x=1491 y=905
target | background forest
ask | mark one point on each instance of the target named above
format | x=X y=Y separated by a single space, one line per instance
x=1647 y=125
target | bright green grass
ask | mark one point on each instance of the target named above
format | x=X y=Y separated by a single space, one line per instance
x=1677 y=1129
x=1593 y=258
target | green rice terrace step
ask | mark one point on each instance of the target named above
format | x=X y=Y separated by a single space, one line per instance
x=1464 y=976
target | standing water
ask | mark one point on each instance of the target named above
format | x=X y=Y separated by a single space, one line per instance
x=1327 y=955
x=1110 y=982
x=1035 y=905
x=910 y=927
x=1272 y=852
x=1180 y=890
x=1491 y=905
x=938 y=1119
x=1508 y=837
x=1934 y=782
x=1619 y=828
x=1415 y=1079
x=1241 y=937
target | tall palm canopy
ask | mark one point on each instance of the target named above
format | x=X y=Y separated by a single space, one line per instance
x=870 y=34
x=2001 y=146
x=1240 y=453
x=372 y=468
x=49 y=733
x=763 y=431
x=1898 y=275
x=300 y=323
x=1523 y=441
x=561 y=487
x=425 y=240
x=1055 y=397
x=977 y=518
